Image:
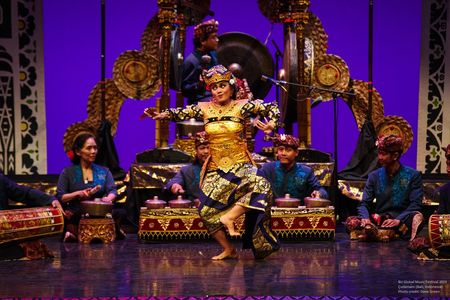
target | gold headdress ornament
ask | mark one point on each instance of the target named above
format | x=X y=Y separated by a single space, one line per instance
x=217 y=74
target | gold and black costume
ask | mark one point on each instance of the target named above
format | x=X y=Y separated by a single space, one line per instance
x=228 y=175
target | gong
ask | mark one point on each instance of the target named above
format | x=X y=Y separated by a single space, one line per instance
x=176 y=60
x=288 y=104
x=253 y=57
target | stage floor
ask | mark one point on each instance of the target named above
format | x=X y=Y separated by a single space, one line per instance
x=130 y=268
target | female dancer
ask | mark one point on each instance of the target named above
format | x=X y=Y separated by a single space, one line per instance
x=229 y=184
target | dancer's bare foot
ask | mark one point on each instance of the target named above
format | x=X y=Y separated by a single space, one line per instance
x=226 y=254
x=69 y=237
x=229 y=224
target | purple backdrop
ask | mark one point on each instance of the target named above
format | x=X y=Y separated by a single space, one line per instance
x=72 y=63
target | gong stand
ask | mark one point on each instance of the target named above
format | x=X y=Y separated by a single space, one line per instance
x=166 y=17
x=297 y=15
x=181 y=27
x=278 y=55
x=102 y=57
x=370 y=64
x=180 y=13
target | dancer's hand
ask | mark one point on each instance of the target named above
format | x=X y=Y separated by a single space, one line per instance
x=266 y=126
x=160 y=116
x=151 y=112
x=148 y=112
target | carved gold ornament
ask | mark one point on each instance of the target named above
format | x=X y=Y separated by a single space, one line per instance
x=113 y=104
x=359 y=103
x=75 y=130
x=135 y=75
x=331 y=72
x=328 y=75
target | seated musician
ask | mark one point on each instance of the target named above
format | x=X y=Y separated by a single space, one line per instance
x=287 y=176
x=85 y=180
x=398 y=192
x=187 y=180
x=422 y=244
x=205 y=43
x=9 y=190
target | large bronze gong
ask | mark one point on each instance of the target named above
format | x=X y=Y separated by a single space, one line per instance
x=252 y=55
x=176 y=61
x=288 y=103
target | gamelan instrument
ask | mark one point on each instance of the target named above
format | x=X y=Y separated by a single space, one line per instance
x=19 y=225
x=180 y=203
x=96 y=208
x=439 y=230
x=316 y=202
x=189 y=128
x=155 y=203
x=287 y=201
x=253 y=57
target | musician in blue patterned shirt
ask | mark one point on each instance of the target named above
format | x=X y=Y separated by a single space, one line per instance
x=187 y=180
x=397 y=189
x=287 y=176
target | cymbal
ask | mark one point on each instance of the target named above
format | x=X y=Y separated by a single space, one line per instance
x=253 y=57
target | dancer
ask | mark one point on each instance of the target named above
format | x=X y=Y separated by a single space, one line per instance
x=229 y=184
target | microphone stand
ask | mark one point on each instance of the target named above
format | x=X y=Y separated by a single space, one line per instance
x=335 y=94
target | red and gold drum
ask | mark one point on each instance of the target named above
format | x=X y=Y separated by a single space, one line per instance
x=20 y=225
x=439 y=231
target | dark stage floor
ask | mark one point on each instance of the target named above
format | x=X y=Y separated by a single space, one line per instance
x=130 y=268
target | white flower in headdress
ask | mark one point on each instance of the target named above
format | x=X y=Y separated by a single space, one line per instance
x=282 y=137
x=232 y=81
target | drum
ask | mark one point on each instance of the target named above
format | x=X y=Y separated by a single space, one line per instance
x=439 y=231
x=20 y=225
